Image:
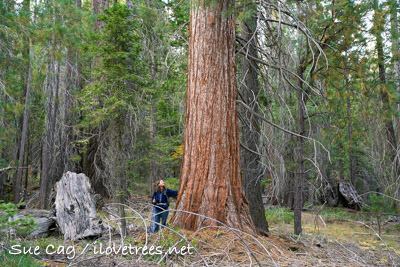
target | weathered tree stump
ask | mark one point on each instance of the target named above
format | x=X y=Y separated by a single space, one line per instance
x=348 y=196
x=330 y=195
x=75 y=207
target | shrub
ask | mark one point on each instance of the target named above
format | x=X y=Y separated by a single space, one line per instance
x=22 y=226
x=172 y=183
x=378 y=204
x=7 y=259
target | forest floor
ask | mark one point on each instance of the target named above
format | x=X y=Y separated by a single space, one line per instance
x=331 y=237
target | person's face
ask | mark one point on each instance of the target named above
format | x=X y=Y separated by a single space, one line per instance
x=162 y=183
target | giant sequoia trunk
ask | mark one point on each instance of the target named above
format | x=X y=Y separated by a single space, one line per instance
x=252 y=168
x=210 y=178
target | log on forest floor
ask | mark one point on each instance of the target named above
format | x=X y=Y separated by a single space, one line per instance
x=75 y=207
x=44 y=219
x=348 y=196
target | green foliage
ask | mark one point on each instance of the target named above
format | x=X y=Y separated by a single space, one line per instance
x=22 y=226
x=378 y=204
x=331 y=214
x=172 y=183
x=265 y=183
x=46 y=241
x=119 y=72
x=7 y=259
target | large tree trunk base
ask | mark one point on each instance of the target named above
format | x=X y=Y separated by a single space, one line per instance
x=210 y=178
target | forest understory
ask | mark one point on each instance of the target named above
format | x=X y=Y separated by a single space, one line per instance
x=331 y=237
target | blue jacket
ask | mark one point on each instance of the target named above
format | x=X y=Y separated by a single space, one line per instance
x=161 y=198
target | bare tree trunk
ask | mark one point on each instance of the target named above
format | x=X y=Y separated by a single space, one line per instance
x=18 y=182
x=117 y=174
x=72 y=81
x=27 y=160
x=153 y=160
x=129 y=4
x=98 y=5
x=153 y=132
x=92 y=161
x=252 y=168
x=45 y=179
x=210 y=178
x=49 y=155
x=2 y=178
x=299 y=180
x=350 y=130
x=394 y=4
x=286 y=187
x=378 y=29
x=2 y=175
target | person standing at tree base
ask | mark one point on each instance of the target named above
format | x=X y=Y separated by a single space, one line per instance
x=160 y=199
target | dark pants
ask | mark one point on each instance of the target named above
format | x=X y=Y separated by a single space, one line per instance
x=160 y=215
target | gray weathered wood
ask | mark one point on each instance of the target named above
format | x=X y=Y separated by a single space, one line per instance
x=44 y=220
x=350 y=196
x=75 y=207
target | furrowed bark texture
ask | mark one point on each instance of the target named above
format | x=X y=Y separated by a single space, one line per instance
x=210 y=178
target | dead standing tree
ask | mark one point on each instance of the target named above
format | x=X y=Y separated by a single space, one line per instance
x=251 y=162
x=293 y=63
x=210 y=178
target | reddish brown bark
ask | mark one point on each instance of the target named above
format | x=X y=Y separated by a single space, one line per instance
x=210 y=178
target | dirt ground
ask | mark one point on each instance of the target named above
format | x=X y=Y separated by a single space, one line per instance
x=327 y=243
x=222 y=248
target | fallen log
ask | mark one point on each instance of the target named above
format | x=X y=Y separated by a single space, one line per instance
x=44 y=219
x=75 y=207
